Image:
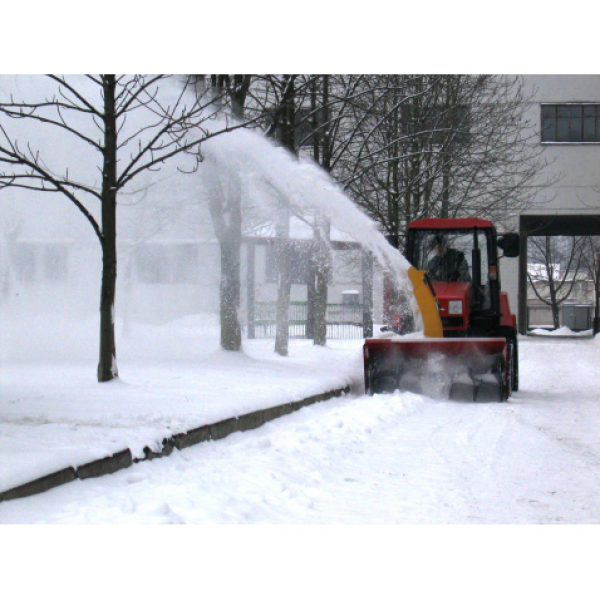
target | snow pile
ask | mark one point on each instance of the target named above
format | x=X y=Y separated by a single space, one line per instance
x=562 y=331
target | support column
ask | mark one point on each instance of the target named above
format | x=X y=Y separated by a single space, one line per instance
x=250 y=295
x=522 y=296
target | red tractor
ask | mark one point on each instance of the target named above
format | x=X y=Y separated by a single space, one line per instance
x=466 y=317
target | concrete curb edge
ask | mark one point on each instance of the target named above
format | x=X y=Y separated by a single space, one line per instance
x=123 y=459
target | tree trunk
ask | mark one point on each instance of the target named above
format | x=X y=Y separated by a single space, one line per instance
x=555 y=315
x=282 y=242
x=320 y=327
x=322 y=276
x=107 y=365
x=285 y=283
x=322 y=235
x=226 y=212
x=310 y=298
x=551 y=283
x=367 y=286
x=231 y=333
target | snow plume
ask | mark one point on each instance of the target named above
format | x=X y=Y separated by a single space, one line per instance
x=273 y=178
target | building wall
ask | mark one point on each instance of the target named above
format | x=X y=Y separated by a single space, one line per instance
x=576 y=164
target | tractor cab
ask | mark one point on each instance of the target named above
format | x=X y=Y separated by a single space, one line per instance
x=460 y=260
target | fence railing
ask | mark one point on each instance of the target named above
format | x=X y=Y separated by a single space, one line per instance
x=344 y=321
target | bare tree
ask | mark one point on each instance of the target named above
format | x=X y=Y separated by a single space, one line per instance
x=442 y=146
x=285 y=119
x=558 y=264
x=322 y=129
x=331 y=132
x=320 y=271
x=225 y=203
x=132 y=124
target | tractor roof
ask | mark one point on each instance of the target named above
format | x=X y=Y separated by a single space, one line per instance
x=470 y=223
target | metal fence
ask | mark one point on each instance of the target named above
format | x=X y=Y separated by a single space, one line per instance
x=344 y=321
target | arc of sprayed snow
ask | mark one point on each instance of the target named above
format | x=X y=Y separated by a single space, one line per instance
x=302 y=183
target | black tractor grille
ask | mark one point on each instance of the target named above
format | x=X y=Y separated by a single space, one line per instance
x=452 y=321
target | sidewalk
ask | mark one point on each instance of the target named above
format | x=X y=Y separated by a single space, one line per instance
x=56 y=418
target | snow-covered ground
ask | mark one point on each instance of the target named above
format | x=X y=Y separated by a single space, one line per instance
x=388 y=460
x=391 y=459
x=173 y=378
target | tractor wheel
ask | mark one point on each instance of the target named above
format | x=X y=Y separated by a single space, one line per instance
x=370 y=377
x=503 y=391
x=513 y=357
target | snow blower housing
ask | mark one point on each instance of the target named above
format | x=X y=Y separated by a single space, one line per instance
x=456 y=280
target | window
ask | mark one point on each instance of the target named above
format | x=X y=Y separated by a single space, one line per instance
x=24 y=262
x=165 y=263
x=40 y=262
x=351 y=298
x=55 y=262
x=185 y=263
x=571 y=123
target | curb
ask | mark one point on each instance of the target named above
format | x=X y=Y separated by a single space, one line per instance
x=123 y=459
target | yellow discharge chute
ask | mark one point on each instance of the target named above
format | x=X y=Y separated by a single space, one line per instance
x=432 y=324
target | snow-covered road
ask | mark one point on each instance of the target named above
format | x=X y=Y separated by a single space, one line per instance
x=400 y=458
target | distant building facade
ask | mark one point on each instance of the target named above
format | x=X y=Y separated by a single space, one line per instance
x=565 y=116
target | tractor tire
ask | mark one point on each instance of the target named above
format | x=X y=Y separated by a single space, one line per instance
x=513 y=357
x=513 y=349
x=503 y=391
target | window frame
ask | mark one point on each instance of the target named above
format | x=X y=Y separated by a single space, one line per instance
x=555 y=122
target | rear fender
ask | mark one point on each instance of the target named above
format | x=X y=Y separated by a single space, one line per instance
x=507 y=319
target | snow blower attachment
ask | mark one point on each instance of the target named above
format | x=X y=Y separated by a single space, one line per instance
x=470 y=343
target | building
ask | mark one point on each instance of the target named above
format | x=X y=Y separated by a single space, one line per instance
x=168 y=260
x=565 y=117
